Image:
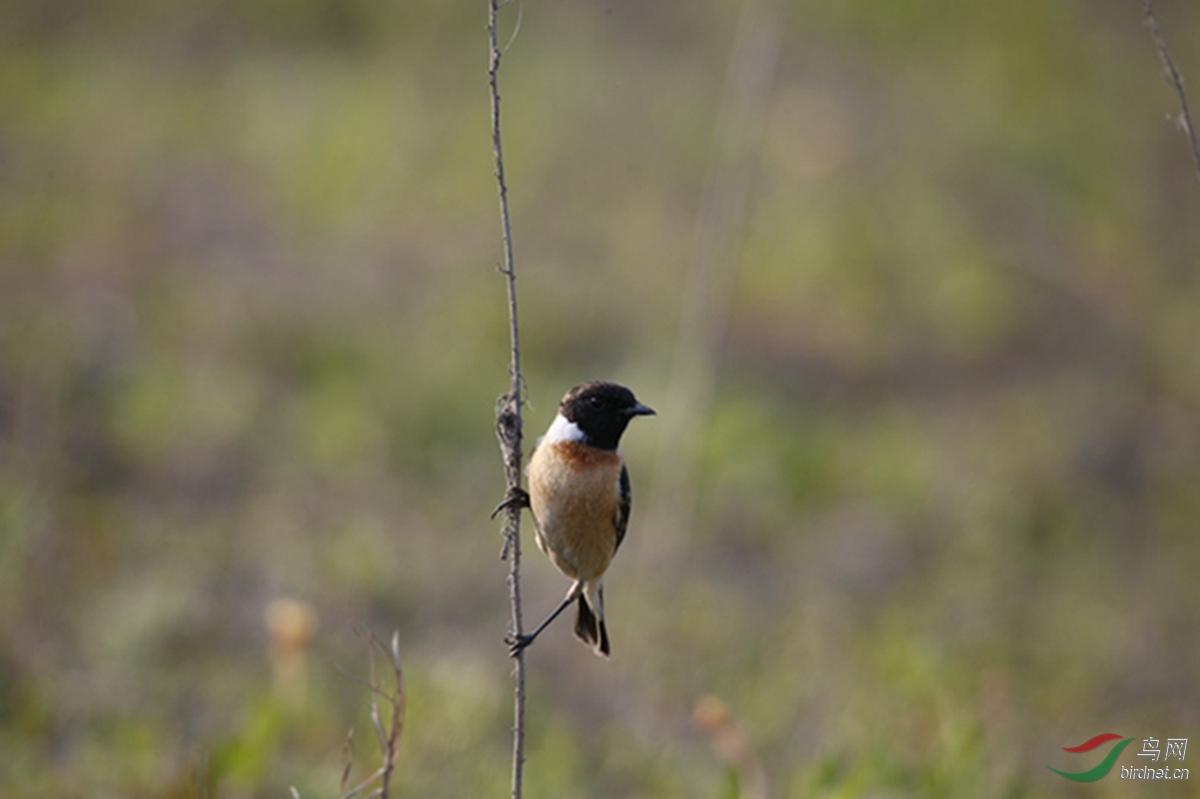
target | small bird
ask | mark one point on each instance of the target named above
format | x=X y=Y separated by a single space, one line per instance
x=580 y=498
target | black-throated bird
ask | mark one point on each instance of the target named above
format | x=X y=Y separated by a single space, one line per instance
x=579 y=495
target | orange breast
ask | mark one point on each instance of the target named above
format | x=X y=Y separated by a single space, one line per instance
x=574 y=496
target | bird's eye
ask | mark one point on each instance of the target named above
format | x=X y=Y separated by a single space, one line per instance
x=596 y=402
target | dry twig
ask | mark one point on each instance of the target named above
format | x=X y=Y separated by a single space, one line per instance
x=387 y=732
x=1185 y=116
x=387 y=735
x=508 y=416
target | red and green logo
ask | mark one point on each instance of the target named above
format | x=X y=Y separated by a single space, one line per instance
x=1100 y=769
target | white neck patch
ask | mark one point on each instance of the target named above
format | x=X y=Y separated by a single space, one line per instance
x=563 y=429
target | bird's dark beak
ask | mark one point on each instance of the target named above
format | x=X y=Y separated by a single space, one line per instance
x=641 y=410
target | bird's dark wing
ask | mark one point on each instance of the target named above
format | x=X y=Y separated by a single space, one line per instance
x=621 y=521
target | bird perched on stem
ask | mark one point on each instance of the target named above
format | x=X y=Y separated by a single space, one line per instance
x=580 y=497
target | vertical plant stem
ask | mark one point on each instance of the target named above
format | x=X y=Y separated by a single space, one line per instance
x=1185 y=115
x=708 y=287
x=508 y=415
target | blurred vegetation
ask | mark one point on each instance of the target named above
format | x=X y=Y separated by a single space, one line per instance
x=939 y=516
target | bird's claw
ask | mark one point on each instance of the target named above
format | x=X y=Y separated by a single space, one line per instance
x=517 y=643
x=515 y=497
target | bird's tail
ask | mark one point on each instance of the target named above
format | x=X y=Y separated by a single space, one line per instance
x=589 y=621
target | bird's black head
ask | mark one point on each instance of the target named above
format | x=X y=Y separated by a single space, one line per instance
x=602 y=410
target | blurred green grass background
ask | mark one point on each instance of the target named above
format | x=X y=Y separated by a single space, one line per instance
x=920 y=505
